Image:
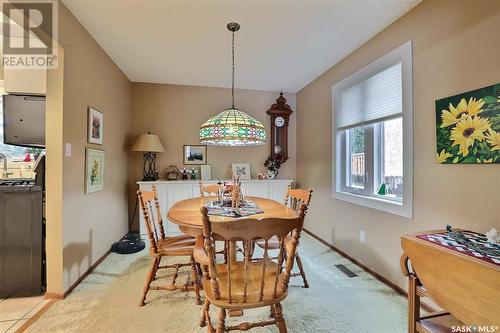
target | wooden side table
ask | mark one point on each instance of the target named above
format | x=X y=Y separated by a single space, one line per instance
x=466 y=285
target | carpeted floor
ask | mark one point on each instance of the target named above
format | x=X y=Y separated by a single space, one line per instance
x=107 y=301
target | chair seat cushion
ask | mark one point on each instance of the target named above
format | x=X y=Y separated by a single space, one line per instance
x=253 y=285
x=177 y=245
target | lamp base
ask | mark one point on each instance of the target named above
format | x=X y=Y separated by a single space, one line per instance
x=150 y=172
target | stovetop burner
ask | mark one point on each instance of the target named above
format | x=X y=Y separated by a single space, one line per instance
x=27 y=182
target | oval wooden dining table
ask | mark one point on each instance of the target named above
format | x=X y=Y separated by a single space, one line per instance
x=186 y=213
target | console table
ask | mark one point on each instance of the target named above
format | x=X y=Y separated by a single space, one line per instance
x=170 y=192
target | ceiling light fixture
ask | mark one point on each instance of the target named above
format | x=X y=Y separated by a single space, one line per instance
x=232 y=127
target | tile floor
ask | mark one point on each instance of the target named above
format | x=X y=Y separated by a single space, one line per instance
x=14 y=312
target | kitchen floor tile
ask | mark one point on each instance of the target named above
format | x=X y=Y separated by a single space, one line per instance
x=16 y=308
x=36 y=308
x=16 y=326
x=6 y=325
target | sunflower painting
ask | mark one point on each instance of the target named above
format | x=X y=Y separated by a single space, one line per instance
x=468 y=127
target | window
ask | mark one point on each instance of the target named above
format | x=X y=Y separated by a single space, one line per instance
x=373 y=135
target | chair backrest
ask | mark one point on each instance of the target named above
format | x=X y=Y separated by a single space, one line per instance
x=150 y=207
x=248 y=231
x=209 y=189
x=294 y=198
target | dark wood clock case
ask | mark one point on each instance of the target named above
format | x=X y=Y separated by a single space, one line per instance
x=278 y=141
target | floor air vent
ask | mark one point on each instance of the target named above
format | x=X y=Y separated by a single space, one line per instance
x=346 y=271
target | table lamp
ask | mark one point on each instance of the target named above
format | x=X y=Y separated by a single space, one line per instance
x=149 y=144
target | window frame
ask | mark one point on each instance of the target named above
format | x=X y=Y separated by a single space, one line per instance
x=373 y=143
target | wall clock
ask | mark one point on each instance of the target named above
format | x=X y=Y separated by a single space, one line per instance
x=280 y=114
x=279 y=121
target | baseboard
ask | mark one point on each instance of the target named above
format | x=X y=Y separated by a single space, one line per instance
x=376 y=275
x=57 y=296
x=87 y=272
x=54 y=296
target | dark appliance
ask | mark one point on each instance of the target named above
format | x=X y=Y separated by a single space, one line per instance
x=21 y=239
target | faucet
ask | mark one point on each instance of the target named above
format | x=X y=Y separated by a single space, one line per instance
x=5 y=173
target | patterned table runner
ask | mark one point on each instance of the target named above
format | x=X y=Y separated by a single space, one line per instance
x=247 y=208
x=443 y=239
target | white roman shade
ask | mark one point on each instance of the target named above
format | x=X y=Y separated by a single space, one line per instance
x=376 y=98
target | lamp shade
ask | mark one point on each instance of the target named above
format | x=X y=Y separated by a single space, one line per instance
x=148 y=143
x=232 y=127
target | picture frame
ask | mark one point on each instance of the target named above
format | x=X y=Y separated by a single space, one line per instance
x=195 y=154
x=206 y=172
x=468 y=127
x=95 y=126
x=242 y=170
x=94 y=170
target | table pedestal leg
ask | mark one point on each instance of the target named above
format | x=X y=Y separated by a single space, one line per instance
x=232 y=256
x=232 y=251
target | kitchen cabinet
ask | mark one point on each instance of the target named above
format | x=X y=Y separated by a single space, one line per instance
x=170 y=192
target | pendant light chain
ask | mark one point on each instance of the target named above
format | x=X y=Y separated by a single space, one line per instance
x=232 y=86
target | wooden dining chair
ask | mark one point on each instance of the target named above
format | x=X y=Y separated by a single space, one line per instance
x=245 y=284
x=163 y=246
x=293 y=199
x=211 y=189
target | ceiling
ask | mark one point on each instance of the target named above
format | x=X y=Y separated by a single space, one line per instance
x=282 y=45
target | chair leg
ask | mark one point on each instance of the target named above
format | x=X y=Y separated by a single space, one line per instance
x=149 y=278
x=273 y=313
x=221 y=325
x=156 y=269
x=301 y=269
x=205 y=314
x=196 y=280
x=280 y=321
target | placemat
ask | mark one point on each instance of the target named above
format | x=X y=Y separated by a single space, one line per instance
x=443 y=239
x=247 y=208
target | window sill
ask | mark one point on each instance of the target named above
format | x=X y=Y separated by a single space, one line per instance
x=388 y=206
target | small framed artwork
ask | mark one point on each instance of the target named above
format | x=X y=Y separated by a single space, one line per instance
x=242 y=170
x=206 y=172
x=196 y=154
x=468 y=127
x=94 y=170
x=95 y=126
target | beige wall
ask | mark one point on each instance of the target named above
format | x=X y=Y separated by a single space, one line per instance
x=454 y=51
x=175 y=113
x=92 y=222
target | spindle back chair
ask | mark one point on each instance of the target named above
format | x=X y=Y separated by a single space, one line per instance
x=211 y=189
x=163 y=246
x=293 y=199
x=243 y=283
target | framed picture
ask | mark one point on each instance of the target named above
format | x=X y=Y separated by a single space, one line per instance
x=242 y=170
x=206 y=172
x=94 y=170
x=468 y=127
x=95 y=126
x=196 y=154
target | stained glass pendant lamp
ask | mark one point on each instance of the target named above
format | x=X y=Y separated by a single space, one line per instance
x=232 y=127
